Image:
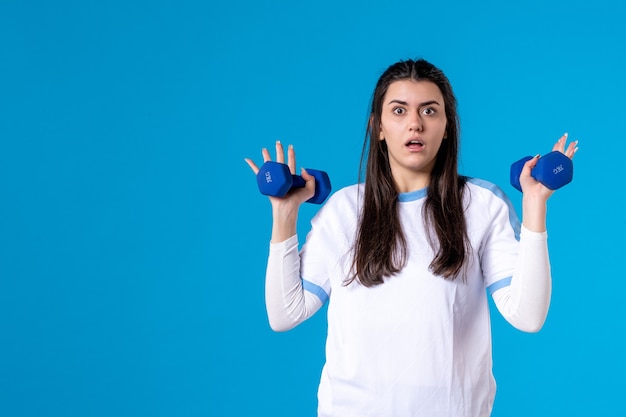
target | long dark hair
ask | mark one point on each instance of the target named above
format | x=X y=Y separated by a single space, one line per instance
x=381 y=248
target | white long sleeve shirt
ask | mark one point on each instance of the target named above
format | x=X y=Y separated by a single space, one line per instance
x=417 y=345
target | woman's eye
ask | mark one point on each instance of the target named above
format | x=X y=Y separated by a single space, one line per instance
x=398 y=110
x=429 y=111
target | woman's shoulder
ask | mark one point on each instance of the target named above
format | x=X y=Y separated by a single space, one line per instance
x=343 y=202
x=340 y=211
x=488 y=203
x=486 y=190
x=351 y=193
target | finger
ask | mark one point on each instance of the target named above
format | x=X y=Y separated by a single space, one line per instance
x=252 y=165
x=280 y=153
x=291 y=159
x=306 y=176
x=530 y=164
x=560 y=144
x=525 y=179
x=309 y=181
x=572 y=149
x=266 y=155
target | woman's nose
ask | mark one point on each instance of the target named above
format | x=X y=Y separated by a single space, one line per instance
x=415 y=124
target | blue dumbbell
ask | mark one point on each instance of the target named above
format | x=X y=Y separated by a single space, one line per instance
x=554 y=170
x=276 y=180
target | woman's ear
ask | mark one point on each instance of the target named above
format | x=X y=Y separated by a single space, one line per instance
x=380 y=128
x=370 y=125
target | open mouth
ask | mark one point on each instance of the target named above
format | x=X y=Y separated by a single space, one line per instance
x=415 y=144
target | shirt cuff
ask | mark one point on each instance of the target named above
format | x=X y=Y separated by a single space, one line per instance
x=529 y=234
x=285 y=245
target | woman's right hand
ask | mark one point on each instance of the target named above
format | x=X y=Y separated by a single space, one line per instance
x=285 y=209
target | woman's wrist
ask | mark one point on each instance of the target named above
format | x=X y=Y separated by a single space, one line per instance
x=284 y=222
x=534 y=212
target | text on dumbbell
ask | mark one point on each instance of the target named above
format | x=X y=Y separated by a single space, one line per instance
x=268 y=177
x=558 y=169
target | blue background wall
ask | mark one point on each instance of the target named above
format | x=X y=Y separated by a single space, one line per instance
x=133 y=239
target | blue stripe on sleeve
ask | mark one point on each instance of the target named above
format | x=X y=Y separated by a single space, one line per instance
x=315 y=289
x=504 y=282
x=515 y=223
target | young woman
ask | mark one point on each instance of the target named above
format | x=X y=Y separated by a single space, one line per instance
x=406 y=261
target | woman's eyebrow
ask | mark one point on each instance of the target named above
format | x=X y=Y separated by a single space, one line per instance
x=404 y=103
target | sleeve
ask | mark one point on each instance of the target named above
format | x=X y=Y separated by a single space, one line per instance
x=524 y=302
x=288 y=303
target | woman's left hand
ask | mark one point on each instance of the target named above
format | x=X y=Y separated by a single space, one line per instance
x=529 y=185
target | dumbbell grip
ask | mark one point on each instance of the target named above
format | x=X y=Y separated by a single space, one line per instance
x=297 y=181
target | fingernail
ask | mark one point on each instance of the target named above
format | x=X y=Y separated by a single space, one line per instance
x=566 y=134
x=290 y=146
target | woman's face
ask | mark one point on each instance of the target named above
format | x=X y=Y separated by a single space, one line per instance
x=413 y=124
